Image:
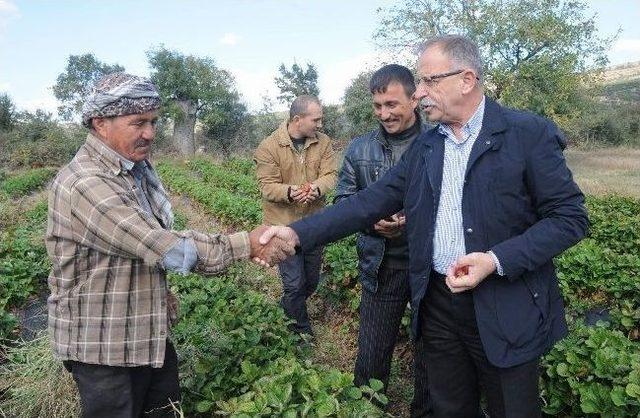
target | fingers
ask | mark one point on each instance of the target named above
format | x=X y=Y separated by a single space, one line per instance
x=267 y=235
x=383 y=224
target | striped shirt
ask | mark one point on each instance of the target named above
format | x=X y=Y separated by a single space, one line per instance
x=108 y=302
x=448 y=240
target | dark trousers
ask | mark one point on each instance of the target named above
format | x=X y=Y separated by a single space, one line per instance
x=380 y=317
x=127 y=392
x=300 y=275
x=450 y=349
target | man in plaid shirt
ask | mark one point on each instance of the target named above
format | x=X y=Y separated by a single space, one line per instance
x=110 y=241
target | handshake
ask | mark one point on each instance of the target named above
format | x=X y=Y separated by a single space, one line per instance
x=272 y=244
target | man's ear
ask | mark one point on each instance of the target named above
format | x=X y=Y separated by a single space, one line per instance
x=470 y=81
x=100 y=126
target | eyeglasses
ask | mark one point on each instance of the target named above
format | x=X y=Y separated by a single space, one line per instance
x=431 y=81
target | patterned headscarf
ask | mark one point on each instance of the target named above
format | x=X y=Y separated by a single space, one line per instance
x=120 y=94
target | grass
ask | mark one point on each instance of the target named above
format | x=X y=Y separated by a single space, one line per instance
x=606 y=171
x=34 y=384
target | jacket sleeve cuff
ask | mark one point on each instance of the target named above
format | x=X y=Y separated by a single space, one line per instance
x=240 y=245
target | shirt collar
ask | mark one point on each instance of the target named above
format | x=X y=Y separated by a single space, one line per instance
x=116 y=162
x=470 y=129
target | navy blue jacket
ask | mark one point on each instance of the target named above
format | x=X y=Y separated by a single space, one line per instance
x=519 y=200
x=366 y=160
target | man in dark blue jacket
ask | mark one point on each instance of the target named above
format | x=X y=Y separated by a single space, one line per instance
x=383 y=251
x=489 y=201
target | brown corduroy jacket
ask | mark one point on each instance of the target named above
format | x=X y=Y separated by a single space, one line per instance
x=279 y=166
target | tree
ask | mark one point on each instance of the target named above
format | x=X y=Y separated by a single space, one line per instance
x=7 y=112
x=358 y=107
x=537 y=53
x=222 y=124
x=193 y=88
x=74 y=84
x=295 y=82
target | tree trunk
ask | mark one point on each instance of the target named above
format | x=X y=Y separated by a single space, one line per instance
x=184 y=126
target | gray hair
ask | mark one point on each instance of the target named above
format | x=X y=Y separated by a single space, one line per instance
x=301 y=104
x=460 y=49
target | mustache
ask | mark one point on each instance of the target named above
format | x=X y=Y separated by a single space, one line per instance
x=426 y=102
x=142 y=143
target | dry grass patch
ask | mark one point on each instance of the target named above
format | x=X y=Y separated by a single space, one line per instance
x=34 y=384
x=606 y=171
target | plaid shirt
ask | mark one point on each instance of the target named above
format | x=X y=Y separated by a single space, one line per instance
x=108 y=302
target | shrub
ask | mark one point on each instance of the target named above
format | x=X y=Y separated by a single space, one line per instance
x=240 y=359
x=593 y=371
x=27 y=181
x=23 y=264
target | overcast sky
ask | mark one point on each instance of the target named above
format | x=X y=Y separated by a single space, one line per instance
x=250 y=38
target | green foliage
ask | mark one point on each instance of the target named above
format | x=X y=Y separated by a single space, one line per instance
x=358 y=107
x=179 y=221
x=296 y=82
x=340 y=281
x=241 y=184
x=596 y=370
x=37 y=140
x=606 y=122
x=7 y=112
x=602 y=271
x=593 y=371
x=241 y=166
x=194 y=87
x=241 y=359
x=227 y=206
x=74 y=84
x=23 y=263
x=267 y=120
x=334 y=122
x=536 y=52
x=27 y=182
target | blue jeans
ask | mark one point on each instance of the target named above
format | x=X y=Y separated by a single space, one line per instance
x=300 y=275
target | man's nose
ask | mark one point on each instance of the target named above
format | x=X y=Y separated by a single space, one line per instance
x=149 y=132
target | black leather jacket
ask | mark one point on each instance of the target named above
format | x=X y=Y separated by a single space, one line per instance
x=366 y=160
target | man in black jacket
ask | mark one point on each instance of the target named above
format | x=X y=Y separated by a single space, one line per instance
x=382 y=249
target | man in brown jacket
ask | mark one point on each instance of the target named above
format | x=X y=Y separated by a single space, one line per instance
x=296 y=168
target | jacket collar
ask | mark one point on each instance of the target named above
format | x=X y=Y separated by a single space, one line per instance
x=378 y=134
x=493 y=123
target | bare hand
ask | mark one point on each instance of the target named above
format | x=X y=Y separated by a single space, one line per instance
x=390 y=228
x=271 y=252
x=468 y=271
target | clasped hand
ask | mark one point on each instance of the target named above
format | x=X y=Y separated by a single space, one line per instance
x=390 y=227
x=272 y=251
x=305 y=193
x=282 y=236
x=468 y=271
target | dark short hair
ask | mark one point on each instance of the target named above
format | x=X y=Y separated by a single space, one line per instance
x=388 y=74
x=301 y=104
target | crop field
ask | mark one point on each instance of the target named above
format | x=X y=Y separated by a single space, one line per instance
x=237 y=357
